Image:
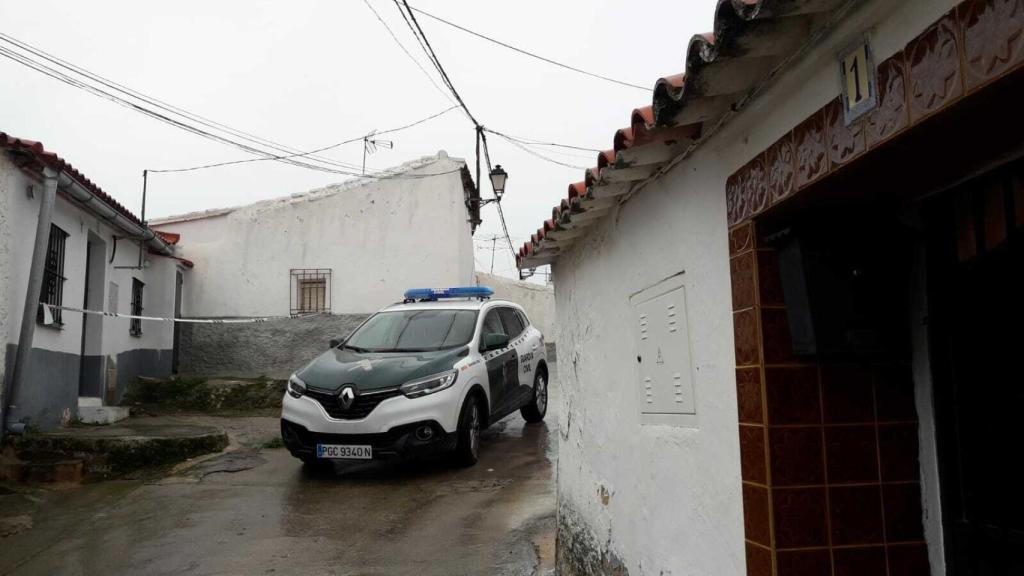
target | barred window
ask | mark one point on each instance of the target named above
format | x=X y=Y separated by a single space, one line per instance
x=53 y=275
x=310 y=290
x=135 y=327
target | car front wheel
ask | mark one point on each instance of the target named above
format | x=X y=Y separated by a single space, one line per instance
x=467 y=449
x=538 y=406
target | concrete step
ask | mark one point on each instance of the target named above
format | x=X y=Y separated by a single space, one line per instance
x=84 y=401
x=41 y=467
x=101 y=414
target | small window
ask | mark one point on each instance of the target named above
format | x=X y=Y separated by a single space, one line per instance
x=135 y=327
x=310 y=290
x=53 y=275
x=512 y=322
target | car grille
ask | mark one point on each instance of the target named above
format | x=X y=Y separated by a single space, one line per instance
x=360 y=408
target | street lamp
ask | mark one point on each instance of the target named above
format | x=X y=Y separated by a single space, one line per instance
x=498 y=177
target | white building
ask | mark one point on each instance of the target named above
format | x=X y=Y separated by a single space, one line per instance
x=791 y=299
x=347 y=248
x=91 y=260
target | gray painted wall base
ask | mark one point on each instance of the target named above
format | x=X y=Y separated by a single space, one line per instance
x=53 y=379
x=274 y=349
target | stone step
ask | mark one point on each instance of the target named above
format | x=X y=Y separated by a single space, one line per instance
x=41 y=467
x=84 y=401
x=102 y=414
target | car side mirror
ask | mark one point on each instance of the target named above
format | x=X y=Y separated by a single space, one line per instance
x=494 y=341
x=335 y=342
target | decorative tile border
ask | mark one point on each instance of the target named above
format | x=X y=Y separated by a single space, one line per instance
x=973 y=45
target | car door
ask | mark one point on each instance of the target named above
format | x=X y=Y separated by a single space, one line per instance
x=519 y=339
x=502 y=365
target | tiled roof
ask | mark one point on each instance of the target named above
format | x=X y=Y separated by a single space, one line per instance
x=751 y=38
x=32 y=156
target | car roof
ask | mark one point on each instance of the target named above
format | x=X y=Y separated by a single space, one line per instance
x=447 y=304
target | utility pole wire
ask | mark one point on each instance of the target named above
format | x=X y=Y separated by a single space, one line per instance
x=177 y=123
x=530 y=54
x=154 y=102
x=407 y=53
x=318 y=150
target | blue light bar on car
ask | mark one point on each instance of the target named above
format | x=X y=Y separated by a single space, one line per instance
x=456 y=292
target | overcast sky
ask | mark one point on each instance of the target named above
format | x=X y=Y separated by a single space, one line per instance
x=309 y=74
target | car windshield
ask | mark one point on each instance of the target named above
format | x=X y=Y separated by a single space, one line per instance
x=414 y=331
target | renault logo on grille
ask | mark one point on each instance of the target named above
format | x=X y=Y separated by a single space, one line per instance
x=347 y=397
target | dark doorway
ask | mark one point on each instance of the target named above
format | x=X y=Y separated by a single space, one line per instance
x=178 y=282
x=976 y=279
x=91 y=370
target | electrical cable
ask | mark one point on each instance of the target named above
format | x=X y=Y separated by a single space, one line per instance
x=530 y=54
x=407 y=53
x=96 y=91
x=349 y=141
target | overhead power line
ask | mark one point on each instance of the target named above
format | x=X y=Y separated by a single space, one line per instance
x=530 y=54
x=184 y=120
x=318 y=150
x=407 y=53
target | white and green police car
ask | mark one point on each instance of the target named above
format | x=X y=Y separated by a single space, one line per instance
x=424 y=375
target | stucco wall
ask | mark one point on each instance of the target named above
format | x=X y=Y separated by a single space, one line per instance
x=657 y=499
x=378 y=239
x=274 y=349
x=53 y=375
x=537 y=300
x=7 y=187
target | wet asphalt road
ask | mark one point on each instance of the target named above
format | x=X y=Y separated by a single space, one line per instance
x=261 y=512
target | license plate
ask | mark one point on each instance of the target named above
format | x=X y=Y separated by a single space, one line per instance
x=344 y=452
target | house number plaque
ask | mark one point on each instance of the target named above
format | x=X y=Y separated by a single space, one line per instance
x=857 y=69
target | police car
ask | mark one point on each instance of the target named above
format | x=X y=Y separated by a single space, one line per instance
x=424 y=375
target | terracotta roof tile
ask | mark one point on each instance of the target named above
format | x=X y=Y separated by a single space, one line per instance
x=748 y=40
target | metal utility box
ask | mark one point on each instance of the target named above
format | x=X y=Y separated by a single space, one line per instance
x=664 y=358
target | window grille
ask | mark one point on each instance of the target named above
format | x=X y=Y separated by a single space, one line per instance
x=53 y=275
x=310 y=290
x=135 y=327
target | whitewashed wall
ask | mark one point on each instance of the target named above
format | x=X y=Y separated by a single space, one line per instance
x=660 y=499
x=56 y=380
x=378 y=239
x=538 y=300
x=8 y=186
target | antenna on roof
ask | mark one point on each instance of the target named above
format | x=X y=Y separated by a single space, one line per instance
x=370 y=146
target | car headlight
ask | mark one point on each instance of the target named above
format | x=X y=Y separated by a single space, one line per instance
x=296 y=387
x=429 y=385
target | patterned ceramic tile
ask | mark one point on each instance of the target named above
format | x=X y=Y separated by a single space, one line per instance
x=809 y=142
x=748 y=395
x=796 y=456
x=744 y=291
x=741 y=238
x=844 y=142
x=792 y=395
x=993 y=39
x=780 y=161
x=799 y=515
x=860 y=561
x=902 y=512
x=753 y=467
x=759 y=560
x=746 y=336
x=852 y=454
x=891 y=116
x=804 y=562
x=856 y=515
x=755 y=514
x=933 y=68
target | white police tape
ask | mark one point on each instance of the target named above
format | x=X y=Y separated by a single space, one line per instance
x=49 y=308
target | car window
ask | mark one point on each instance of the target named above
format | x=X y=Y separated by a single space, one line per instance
x=523 y=318
x=512 y=322
x=492 y=324
x=414 y=331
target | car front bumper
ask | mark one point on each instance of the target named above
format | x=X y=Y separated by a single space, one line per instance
x=400 y=441
x=441 y=408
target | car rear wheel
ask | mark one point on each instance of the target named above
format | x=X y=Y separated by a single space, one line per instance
x=538 y=406
x=467 y=449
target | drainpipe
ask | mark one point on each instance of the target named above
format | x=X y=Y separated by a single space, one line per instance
x=35 y=286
